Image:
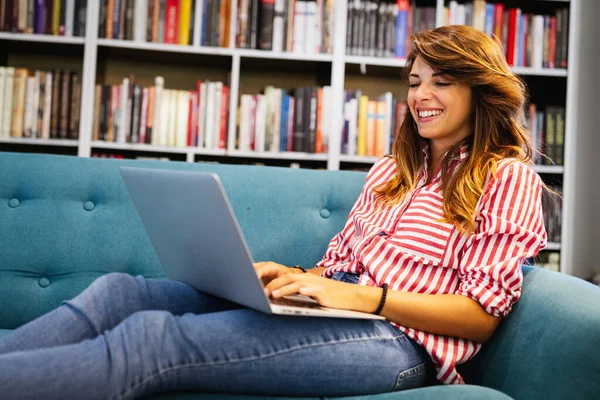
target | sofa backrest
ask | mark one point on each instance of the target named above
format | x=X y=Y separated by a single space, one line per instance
x=64 y=221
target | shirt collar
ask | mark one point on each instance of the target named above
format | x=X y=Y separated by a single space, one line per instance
x=461 y=156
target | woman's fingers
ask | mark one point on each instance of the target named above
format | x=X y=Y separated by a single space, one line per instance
x=316 y=292
x=268 y=269
x=286 y=290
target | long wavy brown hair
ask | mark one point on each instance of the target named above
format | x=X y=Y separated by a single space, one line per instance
x=498 y=96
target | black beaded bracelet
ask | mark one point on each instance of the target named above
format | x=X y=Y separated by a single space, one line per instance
x=382 y=301
x=300 y=268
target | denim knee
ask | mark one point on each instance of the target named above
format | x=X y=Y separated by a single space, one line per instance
x=112 y=282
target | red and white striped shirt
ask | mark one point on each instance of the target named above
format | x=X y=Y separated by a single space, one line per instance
x=407 y=247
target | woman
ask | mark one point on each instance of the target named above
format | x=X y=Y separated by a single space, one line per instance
x=434 y=243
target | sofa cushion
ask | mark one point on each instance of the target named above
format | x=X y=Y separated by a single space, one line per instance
x=454 y=392
x=546 y=348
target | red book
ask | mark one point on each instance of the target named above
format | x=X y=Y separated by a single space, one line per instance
x=319 y=134
x=512 y=35
x=199 y=134
x=552 y=44
x=224 y=108
x=172 y=22
x=498 y=21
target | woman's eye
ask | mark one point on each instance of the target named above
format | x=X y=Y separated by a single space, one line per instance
x=443 y=83
x=413 y=85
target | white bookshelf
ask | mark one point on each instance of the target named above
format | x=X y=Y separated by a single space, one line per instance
x=41 y=142
x=26 y=37
x=295 y=156
x=165 y=48
x=580 y=130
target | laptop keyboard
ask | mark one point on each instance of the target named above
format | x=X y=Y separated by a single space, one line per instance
x=282 y=301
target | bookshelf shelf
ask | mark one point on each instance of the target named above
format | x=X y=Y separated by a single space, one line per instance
x=208 y=152
x=376 y=61
x=539 y=71
x=216 y=51
x=278 y=156
x=358 y=159
x=272 y=55
x=401 y=62
x=41 y=142
x=160 y=47
x=549 y=169
x=98 y=144
x=26 y=37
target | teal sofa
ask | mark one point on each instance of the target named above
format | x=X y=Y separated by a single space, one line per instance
x=65 y=221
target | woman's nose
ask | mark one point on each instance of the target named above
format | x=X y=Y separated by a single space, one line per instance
x=423 y=92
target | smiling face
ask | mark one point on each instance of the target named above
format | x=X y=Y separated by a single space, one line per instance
x=440 y=106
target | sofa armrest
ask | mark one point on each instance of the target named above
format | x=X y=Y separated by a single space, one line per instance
x=548 y=347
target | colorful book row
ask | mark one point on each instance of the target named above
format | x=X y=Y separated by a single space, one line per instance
x=370 y=123
x=280 y=121
x=130 y=113
x=529 y=40
x=286 y=25
x=39 y=104
x=184 y=22
x=547 y=129
x=383 y=28
x=49 y=17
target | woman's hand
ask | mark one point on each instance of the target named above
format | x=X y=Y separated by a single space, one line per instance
x=326 y=292
x=268 y=270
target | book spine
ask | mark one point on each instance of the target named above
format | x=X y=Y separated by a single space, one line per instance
x=29 y=106
x=47 y=108
x=69 y=17
x=75 y=106
x=185 y=14
x=97 y=109
x=8 y=99
x=102 y=18
x=150 y=115
x=65 y=103
x=162 y=9
x=18 y=102
x=141 y=24
x=159 y=82
x=171 y=22
x=37 y=92
x=135 y=111
x=55 y=112
x=278 y=25
x=299 y=27
x=110 y=12
x=223 y=115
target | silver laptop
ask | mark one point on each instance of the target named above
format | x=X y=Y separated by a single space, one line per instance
x=198 y=240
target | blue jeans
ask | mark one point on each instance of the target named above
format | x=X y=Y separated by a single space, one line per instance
x=125 y=337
